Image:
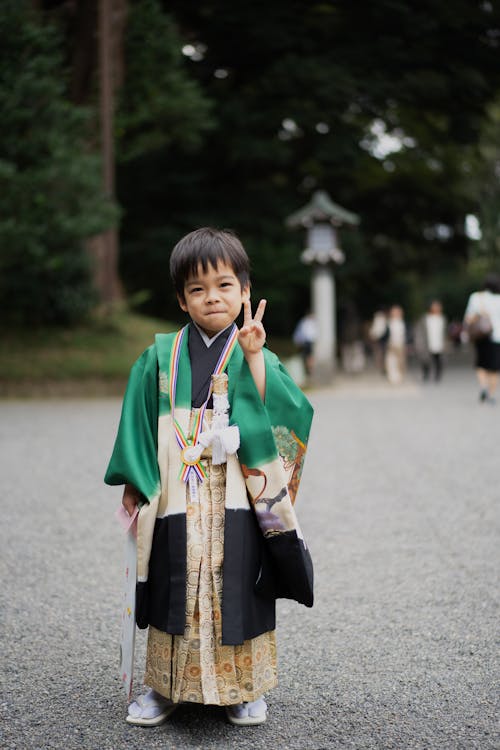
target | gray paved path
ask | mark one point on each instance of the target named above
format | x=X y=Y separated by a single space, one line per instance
x=400 y=507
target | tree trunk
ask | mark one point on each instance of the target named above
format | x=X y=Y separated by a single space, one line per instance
x=106 y=268
x=96 y=29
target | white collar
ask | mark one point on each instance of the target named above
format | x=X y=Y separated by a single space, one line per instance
x=206 y=339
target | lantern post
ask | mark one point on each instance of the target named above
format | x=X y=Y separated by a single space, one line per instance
x=321 y=218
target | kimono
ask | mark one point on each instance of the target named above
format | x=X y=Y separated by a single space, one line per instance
x=213 y=558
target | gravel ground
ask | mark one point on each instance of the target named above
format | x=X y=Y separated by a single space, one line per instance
x=399 y=505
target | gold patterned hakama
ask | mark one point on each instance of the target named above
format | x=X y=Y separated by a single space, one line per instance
x=196 y=667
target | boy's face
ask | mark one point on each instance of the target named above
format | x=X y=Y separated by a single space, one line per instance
x=213 y=298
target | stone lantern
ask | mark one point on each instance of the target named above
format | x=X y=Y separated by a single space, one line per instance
x=321 y=217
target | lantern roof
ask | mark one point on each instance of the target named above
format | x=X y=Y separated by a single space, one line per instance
x=321 y=208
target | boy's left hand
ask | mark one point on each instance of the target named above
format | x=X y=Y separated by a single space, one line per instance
x=252 y=335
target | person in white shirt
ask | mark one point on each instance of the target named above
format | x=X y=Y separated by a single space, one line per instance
x=486 y=302
x=430 y=341
x=395 y=358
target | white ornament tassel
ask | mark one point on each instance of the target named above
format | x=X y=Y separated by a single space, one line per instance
x=224 y=439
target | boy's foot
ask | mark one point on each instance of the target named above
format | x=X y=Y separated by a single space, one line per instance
x=483 y=395
x=247 y=714
x=150 y=710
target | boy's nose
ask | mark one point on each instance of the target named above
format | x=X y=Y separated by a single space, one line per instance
x=212 y=295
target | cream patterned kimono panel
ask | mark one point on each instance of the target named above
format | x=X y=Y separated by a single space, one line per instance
x=196 y=667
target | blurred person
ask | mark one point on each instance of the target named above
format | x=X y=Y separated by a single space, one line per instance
x=304 y=337
x=378 y=334
x=486 y=303
x=455 y=333
x=395 y=356
x=430 y=341
x=350 y=333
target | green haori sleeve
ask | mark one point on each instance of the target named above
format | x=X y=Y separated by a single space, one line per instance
x=285 y=404
x=134 y=458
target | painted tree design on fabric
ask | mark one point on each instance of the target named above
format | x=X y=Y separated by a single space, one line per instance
x=292 y=450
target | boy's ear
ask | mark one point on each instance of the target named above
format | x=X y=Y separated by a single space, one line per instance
x=182 y=303
x=245 y=293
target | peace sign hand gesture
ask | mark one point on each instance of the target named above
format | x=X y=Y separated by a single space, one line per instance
x=252 y=335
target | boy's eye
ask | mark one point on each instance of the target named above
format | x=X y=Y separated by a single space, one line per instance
x=226 y=283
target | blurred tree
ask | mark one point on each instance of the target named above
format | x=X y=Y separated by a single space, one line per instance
x=378 y=112
x=159 y=104
x=485 y=180
x=50 y=186
x=93 y=32
x=162 y=120
x=232 y=114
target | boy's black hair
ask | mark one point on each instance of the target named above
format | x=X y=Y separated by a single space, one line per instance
x=208 y=246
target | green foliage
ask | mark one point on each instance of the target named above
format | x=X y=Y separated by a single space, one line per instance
x=295 y=89
x=50 y=195
x=281 y=100
x=485 y=180
x=97 y=348
x=160 y=104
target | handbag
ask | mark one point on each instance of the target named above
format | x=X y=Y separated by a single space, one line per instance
x=479 y=327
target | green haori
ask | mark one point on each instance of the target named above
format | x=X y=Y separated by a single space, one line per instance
x=273 y=441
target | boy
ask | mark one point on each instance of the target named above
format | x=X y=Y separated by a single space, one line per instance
x=211 y=445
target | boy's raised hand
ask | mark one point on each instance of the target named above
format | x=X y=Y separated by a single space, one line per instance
x=252 y=335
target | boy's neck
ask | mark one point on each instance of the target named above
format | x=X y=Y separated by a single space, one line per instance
x=209 y=340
